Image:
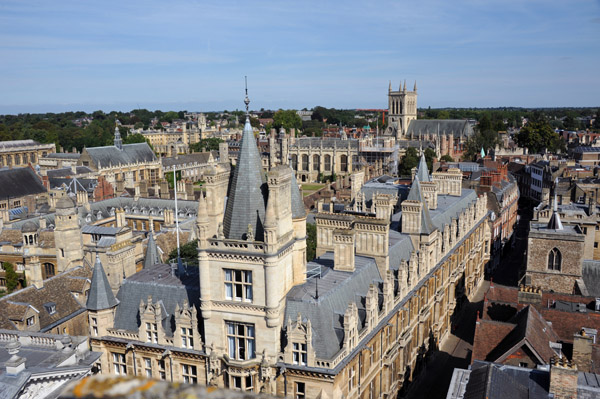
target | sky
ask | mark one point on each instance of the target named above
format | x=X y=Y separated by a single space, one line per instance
x=60 y=56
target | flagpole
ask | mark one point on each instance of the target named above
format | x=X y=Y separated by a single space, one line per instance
x=176 y=216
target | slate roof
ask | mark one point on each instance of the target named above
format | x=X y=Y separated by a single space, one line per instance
x=130 y=154
x=591 y=277
x=422 y=170
x=100 y=295
x=19 y=182
x=64 y=172
x=455 y=127
x=497 y=381
x=336 y=289
x=158 y=282
x=152 y=256
x=63 y=155
x=415 y=194
x=200 y=158
x=247 y=192
x=56 y=289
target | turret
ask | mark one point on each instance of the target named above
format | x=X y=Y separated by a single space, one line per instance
x=101 y=302
x=67 y=235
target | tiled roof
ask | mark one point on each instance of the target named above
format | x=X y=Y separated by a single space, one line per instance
x=56 y=289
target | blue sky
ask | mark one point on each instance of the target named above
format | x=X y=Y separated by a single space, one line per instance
x=172 y=55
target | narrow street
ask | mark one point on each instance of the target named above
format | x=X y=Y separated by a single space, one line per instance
x=455 y=351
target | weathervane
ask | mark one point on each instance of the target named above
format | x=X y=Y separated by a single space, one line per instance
x=246 y=100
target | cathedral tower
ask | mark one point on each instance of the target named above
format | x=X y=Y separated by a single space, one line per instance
x=402 y=109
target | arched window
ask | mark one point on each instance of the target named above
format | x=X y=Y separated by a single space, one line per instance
x=554 y=259
x=344 y=163
x=305 y=162
x=49 y=269
x=316 y=163
x=328 y=162
x=295 y=162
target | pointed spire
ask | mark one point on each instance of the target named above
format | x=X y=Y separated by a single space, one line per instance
x=390 y=89
x=404 y=84
x=415 y=88
x=202 y=213
x=118 y=141
x=482 y=153
x=554 y=223
x=100 y=295
x=246 y=201
x=152 y=255
x=422 y=170
x=415 y=194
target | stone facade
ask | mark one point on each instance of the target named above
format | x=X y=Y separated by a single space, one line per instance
x=540 y=273
x=21 y=153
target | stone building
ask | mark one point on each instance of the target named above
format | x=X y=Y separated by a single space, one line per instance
x=21 y=191
x=20 y=153
x=355 y=322
x=130 y=163
x=41 y=365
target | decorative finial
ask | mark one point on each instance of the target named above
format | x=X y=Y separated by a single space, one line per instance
x=415 y=88
x=246 y=100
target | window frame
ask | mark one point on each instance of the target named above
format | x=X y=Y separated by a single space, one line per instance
x=242 y=346
x=238 y=281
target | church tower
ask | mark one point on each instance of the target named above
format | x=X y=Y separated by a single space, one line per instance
x=67 y=235
x=402 y=109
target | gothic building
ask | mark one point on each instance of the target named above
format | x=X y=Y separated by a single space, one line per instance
x=255 y=316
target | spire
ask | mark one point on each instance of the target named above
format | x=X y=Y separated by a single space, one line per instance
x=422 y=170
x=415 y=88
x=202 y=214
x=118 y=141
x=482 y=153
x=415 y=194
x=100 y=295
x=554 y=223
x=152 y=255
x=248 y=191
x=404 y=84
x=390 y=89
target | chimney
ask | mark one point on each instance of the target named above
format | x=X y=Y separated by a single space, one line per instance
x=136 y=194
x=34 y=272
x=563 y=379
x=582 y=350
x=120 y=220
x=42 y=223
x=343 y=250
x=143 y=189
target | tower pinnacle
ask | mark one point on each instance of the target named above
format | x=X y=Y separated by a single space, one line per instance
x=246 y=100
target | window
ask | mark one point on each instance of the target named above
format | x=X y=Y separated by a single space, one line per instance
x=300 y=389
x=240 y=339
x=238 y=285
x=187 y=338
x=95 y=326
x=595 y=245
x=50 y=307
x=162 y=370
x=522 y=364
x=299 y=353
x=189 y=374
x=148 y=367
x=554 y=259
x=151 y=332
x=240 y=383
x=49 y=269
x=31 y=320
x=351 y=379
x=119 y=364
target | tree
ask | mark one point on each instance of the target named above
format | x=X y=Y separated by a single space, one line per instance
x=446 y=158
x=209 y=144
x=134 y=138
x=409 y=160
x=188 y=251
x=537 y=135
x=12 y=278
x=311 y=241
x=430 y=155
x=287 y=119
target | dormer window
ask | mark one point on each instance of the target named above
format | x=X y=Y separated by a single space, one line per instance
x=50 y=307
x=31 y=321
x=299 y=353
